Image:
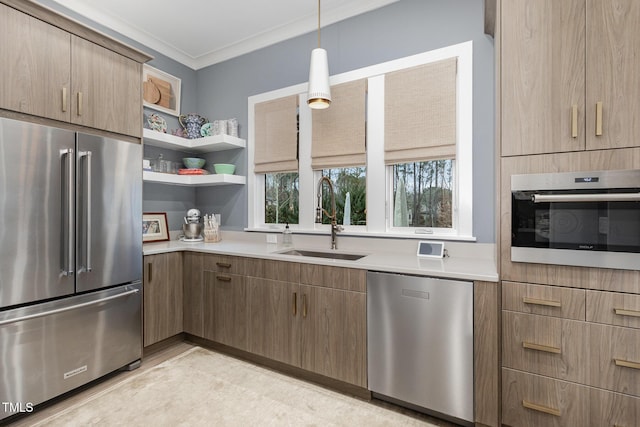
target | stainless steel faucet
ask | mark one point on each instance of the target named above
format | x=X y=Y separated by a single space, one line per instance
x=335 y=228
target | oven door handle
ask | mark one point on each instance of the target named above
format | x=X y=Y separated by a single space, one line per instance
x=604 y=197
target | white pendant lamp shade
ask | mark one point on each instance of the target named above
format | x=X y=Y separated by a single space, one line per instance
x=319 y=95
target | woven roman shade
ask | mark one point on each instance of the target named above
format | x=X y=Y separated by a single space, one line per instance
x=338 y=138
x=276 y=135
x=420 y=113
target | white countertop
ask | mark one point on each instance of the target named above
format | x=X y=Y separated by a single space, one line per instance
x=472 y=263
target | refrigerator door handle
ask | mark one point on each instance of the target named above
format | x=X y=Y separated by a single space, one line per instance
x=67 y=269
x=63 y=309
x=87 y=230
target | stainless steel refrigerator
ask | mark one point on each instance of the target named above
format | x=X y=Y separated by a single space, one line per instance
x=70 y=260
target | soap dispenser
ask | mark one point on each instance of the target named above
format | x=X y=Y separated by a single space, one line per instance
x=286 y=235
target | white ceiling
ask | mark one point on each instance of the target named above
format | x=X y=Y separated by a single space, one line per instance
x=199 y=33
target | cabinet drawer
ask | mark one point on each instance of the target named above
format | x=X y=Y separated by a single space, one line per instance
x=544 y=345
x=613 y=409
x=532 y=400
x=614 y=358
x=613 y=308
x=224 y=264
x=545 y=300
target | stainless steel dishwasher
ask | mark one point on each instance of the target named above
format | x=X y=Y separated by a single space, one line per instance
x=420 y=343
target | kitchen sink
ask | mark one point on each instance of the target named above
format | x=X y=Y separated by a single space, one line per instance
x=320 y=254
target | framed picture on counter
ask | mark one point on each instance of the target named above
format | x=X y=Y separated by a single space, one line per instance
x=160 y=90
x=154 y=227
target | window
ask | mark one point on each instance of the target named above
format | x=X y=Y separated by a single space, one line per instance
x=428 y=150
x=423 y=194
x=348 y=183
x=281 y=198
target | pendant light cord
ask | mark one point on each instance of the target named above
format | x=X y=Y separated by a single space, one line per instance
x=318 y=23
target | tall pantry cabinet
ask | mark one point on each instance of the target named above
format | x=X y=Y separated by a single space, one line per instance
x=569 y=100
x=569 y=74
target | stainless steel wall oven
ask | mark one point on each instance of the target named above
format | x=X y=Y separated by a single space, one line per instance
x=587 y=219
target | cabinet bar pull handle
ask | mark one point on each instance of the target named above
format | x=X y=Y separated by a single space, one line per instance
x=223 y=264
x=304 y=305
x=540 y=408
x=64 y=99
x=574 y=121
x=294 y=305
x=548 y=303
x=149 y=271
x=623 y=312
x=79 y=103
x=599 y=118
x=540 y=347
x=224 y=278
x=626 y=363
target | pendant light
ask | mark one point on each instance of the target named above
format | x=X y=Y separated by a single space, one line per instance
x=319 y=95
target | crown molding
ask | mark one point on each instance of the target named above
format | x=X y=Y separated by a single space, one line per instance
x=250 y=44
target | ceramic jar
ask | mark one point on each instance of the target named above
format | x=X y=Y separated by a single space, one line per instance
x=192 y=123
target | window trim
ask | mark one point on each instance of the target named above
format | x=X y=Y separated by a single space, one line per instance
x=379 y=203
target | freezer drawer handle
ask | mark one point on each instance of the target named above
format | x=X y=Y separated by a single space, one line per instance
x=63 y=309
x=540 y=408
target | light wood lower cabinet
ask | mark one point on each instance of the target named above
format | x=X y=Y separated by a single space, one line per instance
x=333 y=333
x=613 y=308
x=298 y=314
x=193 y=289
x=613 y=409
x=614 y=358
x=317 y=328
x=530 y=400
x=274 y=310
x=163 y=298
x=563 y=372
x=225 y=309
x=545 y=345
x=533 y=401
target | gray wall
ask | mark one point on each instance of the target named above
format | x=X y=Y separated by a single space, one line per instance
x=404 y=28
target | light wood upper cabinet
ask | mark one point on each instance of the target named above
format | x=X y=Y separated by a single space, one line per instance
x=34 y=65
x=55 y=68
x=542 y=72
x=106 y=89
x=163 y=296
x=613 y=61
x=559 y=60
